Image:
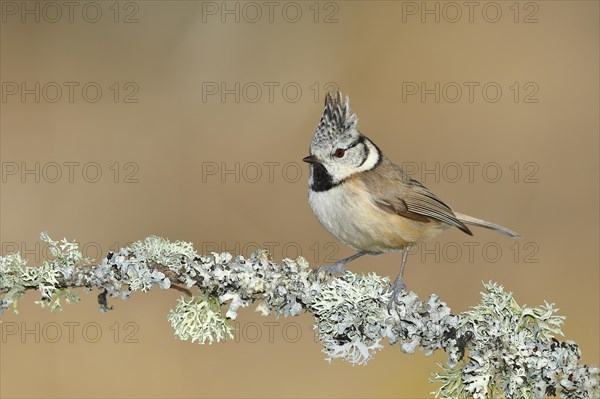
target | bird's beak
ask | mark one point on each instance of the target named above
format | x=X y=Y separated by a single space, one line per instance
x=311 y=159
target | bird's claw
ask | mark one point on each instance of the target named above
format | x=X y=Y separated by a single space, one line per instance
x=398 y=287
x=329 y=270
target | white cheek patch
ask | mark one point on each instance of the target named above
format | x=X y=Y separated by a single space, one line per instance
x=340 y=172
x=372 y=157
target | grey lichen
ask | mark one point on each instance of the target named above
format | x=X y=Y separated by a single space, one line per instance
x=429 y=325
x=349 y=311
x=497 y=349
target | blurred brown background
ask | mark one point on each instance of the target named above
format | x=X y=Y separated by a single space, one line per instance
x=189 y=119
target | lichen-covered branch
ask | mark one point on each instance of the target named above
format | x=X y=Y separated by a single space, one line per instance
x=498 y=349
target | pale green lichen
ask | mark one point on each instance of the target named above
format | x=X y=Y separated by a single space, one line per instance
x=66 y=255
x=15 y=277
x=450 y=379
x=53 y=303
x=163 y=251
x=12 y=267
x=200 y=319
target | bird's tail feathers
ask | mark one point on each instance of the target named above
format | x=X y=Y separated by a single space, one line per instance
x=484 y=223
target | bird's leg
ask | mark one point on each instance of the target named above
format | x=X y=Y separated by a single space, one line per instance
x=399 y=285
x=339 y=266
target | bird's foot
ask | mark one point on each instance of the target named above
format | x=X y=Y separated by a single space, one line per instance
x=331 y=269
x=398 y=287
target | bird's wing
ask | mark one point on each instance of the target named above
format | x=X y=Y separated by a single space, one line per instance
x=404 y=196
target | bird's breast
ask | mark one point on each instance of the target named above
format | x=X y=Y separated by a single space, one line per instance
x=350 y=215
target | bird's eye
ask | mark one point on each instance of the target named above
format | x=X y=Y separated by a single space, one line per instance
x=339 y=152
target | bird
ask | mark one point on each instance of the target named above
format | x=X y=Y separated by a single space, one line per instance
x=367 y=201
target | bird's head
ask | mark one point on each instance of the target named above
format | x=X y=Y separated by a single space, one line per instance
x=337 y=147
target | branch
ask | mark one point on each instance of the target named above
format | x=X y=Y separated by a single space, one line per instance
x=497 y=349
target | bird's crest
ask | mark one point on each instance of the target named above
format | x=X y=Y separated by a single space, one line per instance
x=337 y=119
